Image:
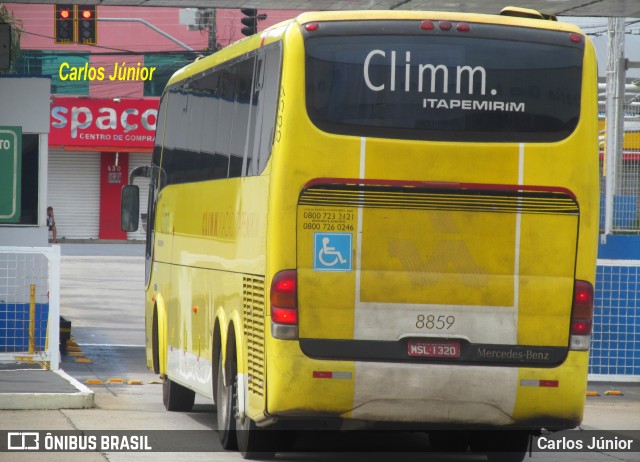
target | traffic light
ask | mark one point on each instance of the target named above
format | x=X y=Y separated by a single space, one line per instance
x=76 y=24
x=87 y=28
x=250 y=21
x=64 y=19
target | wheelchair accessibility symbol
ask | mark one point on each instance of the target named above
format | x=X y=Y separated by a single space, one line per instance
x=332 y=252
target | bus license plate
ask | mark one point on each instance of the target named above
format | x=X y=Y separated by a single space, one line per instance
x=450 y=349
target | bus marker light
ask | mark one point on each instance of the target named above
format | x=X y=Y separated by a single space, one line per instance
x=427 y=25
x=463 y=27
x=445 y=25
x=575 y=38
x=311 y=27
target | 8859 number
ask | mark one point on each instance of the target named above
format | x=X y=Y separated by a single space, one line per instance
x=431 y=321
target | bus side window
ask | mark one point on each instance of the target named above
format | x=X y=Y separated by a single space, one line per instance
x=248 y=167
x=268 y=107
x=241 y=115
x=220 y=125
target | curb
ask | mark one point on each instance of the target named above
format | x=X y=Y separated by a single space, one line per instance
x=82 y=398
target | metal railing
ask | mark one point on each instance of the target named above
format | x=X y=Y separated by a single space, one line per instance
x=30 y=306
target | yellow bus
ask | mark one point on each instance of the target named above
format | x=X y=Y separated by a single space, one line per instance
x=378 y=216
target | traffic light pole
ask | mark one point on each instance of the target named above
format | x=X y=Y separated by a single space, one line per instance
x=151 y=26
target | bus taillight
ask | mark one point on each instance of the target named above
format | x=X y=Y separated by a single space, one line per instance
x=581 y=316
x=284 y=305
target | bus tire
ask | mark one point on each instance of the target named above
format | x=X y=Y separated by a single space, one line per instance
x=175 y=397
x=155 y=342
x=254 y=443
x=225 y=403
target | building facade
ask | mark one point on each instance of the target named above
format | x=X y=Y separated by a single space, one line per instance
x=104 y=100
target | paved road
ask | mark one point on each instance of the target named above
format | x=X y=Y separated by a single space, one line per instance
x=103 y=296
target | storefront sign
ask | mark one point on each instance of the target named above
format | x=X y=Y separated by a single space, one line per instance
x=10 y=173
x=127 y=124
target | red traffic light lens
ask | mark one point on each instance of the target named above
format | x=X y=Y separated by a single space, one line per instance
x=65 y=14
x=86 y=14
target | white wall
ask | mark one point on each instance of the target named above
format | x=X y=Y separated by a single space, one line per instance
x=24 y=102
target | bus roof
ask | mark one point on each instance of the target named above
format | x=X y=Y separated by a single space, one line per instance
x=275 y=32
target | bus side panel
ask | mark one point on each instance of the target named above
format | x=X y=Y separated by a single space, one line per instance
x=218 y=256
x=158 y=293
x=189 y=348
x=589 y=180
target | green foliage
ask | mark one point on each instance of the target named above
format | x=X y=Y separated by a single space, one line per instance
x=7 y=17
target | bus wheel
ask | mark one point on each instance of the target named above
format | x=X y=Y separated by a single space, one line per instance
x=176 y=397
x=254 y=442
x=225 y=410
x=155 y=350
x=501 y=446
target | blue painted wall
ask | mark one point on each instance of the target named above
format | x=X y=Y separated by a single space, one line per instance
x=615 y=343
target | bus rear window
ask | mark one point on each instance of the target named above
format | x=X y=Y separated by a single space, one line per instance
x=446 y=87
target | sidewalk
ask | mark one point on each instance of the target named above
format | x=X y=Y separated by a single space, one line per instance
x=613 y=412
x=35 y=388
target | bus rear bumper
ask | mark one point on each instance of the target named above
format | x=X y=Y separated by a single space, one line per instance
x=431 y=411
x=431 y=394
